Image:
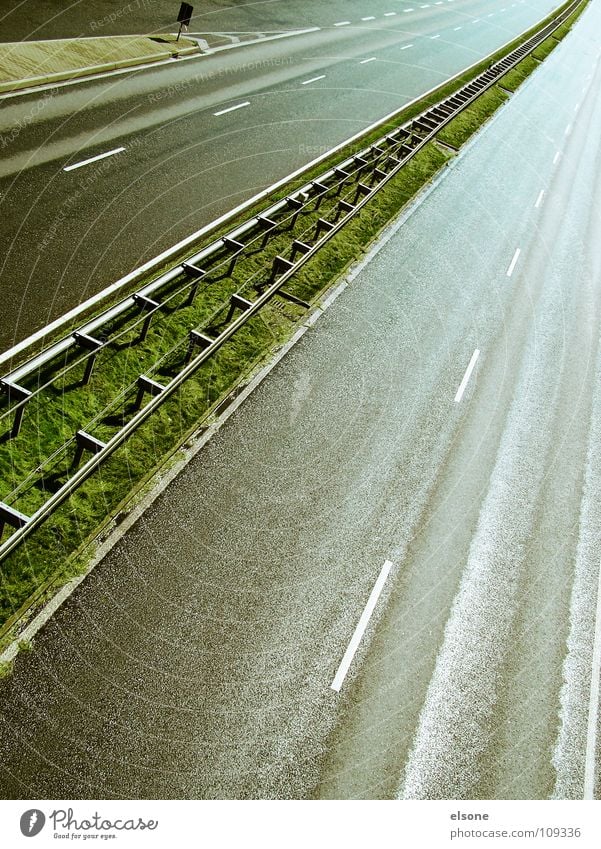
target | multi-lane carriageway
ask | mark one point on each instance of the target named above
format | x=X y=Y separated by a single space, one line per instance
x=97 y=177
x=380 y=577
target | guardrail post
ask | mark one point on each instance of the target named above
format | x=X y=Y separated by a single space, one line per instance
x=362 y=189
x=322 y=224
x=280 y=266
x=86 y=442
x=321 y=191
x=196 y=340
x=237 y=247
x=147 y=385
x=344 y=206
x=299 y=247
x=342 y=176
x=146 y=305
x=361 y=164
x=88 y=343
x=237 y=302
x=268 y=226
x=199 y=274
x=296 y=205
x=12 y=517
x=377 y=175
x=19 y=394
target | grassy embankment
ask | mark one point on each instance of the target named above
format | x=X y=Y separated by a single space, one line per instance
x=64 y=544
x=29 y=63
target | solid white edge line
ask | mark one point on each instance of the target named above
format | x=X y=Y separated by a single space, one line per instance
x=466 y=376
x=232 y=108
x=361 y=626
x=314 y=79
x=513 y=262
x=539 y=199
x=93 y=159
x=591 y=736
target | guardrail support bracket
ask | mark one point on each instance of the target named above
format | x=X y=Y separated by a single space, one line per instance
x=237 y=302
x=86 y=442
x=280 y=266
x=237 y=248
x=10 y=516
x=196 y=340
x=146 y=305
x=322 y=225
x=147 y=385
x=21 y=396
x=198 y=274
x=268 y=226
x=88 y=343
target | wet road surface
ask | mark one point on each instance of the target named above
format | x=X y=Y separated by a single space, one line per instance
x=197 y=660
x=66 y=235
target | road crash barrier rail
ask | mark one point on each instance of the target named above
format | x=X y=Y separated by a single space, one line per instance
x=325 y=205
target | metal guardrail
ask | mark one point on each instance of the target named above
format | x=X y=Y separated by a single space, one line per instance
x=351 y=185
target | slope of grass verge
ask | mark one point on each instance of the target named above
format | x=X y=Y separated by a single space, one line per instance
x=35 y=62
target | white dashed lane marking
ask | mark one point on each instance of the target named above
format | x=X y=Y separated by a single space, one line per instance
x=466 y=376
x=513 y=262
x=232 y=108
x=361 y=626
x=93 y=159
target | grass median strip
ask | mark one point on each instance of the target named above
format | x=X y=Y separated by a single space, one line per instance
x=62 y=546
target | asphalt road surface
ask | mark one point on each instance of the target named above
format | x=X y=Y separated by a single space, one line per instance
x=443 y=415
x=186 y=158
x=37 y=19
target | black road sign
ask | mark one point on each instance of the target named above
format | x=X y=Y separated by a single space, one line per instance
x=185 y=13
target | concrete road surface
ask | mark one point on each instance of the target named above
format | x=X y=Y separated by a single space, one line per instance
x=444 y=416
x=197 y=137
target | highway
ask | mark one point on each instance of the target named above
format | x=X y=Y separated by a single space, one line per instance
x=197 y=137
x=442 y=420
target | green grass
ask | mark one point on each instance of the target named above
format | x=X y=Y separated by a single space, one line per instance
x=458 y=131
x=543 y=50
x=70 y=526
x=61 y=548
x=514 y=78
